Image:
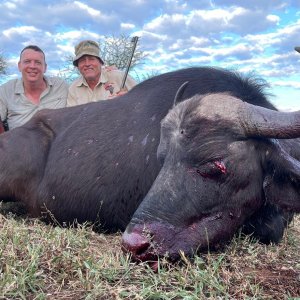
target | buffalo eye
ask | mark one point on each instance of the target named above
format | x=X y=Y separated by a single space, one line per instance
x=185 y=133
x=212 y=169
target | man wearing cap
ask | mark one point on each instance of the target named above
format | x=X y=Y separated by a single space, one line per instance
x=21 y=98
x=96 y=82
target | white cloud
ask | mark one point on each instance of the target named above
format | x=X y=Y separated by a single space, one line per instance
x=76 y=35
x=160 y=37
x=19 y=30
x=215 y=15
x=127 y=26
x=199 y=41
x=287 y=83
x=273 y=18
x=9 y=5
x=162 y=20
x=91 y=11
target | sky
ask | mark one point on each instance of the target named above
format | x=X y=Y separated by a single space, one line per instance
x=247 y=36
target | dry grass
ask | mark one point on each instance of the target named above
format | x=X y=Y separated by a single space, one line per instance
x=39 y=261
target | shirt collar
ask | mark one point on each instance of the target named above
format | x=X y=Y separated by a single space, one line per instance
x=20 y=87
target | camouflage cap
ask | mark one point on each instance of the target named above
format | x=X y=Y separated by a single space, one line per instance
x=86 y=47
x=297 y=49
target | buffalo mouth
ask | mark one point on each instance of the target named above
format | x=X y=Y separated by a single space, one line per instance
x=150 y=241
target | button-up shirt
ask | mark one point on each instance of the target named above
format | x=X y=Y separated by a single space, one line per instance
x=108 y=86
x=18 y=109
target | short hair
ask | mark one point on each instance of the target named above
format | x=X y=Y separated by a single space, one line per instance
x=35 y=48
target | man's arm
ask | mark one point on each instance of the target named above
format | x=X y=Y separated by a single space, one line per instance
x=71 y=100
x=3 y=112
x=129 y=84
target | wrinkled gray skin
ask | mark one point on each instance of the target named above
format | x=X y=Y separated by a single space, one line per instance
x=219 y=172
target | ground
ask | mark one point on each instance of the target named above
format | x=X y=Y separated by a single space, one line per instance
x=39 y=261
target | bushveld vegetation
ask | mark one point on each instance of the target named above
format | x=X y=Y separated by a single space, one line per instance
x=39 y=261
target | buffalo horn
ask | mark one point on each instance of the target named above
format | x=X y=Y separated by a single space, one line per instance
x=179 y=93
x=262 y=122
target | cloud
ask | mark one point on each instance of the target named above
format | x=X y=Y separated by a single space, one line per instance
x=21 y=30
x=9 y=5
x=294 y=84
x=91 y=11
x=127 y=26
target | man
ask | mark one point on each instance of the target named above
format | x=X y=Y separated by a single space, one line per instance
x=21 y=98
x=96 y=82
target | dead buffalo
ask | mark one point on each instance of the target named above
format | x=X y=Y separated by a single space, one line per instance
x=219 y=166
x=223 y=167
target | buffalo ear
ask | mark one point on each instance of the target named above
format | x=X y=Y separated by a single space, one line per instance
x=282 y=182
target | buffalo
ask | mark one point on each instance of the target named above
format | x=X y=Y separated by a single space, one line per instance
x=180 y=176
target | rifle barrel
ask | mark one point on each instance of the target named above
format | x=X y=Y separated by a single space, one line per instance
x=134 y=40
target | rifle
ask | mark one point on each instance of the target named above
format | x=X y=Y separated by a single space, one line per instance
x=134 y=40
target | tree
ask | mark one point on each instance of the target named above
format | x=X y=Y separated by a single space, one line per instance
x=115 y=51
x=3 y=64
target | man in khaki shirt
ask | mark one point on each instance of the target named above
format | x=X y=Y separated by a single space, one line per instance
x=21 y=98
x=96 y=82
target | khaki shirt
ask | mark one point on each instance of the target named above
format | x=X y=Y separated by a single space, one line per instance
x=108 y=86
x=17 y=109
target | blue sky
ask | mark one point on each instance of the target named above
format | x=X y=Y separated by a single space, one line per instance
x=250 y=36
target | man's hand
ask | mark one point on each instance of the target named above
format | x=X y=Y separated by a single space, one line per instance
x=121 y=92
x=107 y=86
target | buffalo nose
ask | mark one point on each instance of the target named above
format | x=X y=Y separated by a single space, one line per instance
x=135 y=244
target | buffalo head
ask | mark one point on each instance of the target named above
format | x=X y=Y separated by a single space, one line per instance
x=222 y=163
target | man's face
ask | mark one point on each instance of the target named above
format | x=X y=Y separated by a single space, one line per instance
x=89 y=67
x=32 y=65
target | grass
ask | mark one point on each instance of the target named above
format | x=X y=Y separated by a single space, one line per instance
x=39 y=261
